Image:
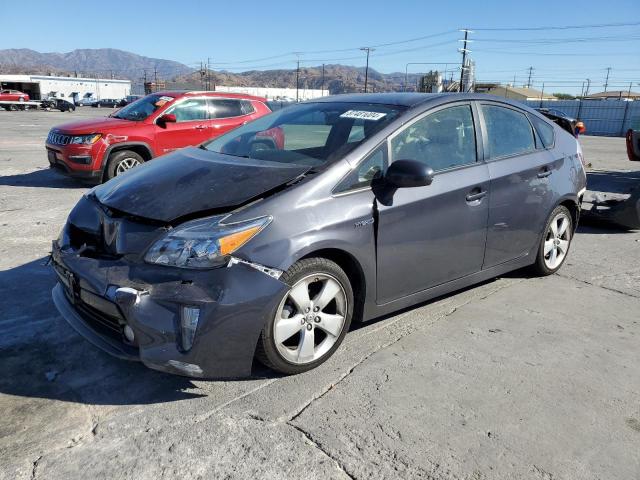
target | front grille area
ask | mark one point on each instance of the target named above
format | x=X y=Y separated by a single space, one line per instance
x=109 y=323
x=58 y=138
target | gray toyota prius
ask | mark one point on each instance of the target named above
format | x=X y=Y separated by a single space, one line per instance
x=267 y=242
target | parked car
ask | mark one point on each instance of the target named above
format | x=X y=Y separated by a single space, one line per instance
x=106 y=102
x=9 y=95
x=129 y=99
x=200 y=259
x=570 y=124
x=86 y=101
x=101 y=148
x=64 y=105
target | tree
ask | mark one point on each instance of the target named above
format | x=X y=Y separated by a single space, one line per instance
x=564 y=96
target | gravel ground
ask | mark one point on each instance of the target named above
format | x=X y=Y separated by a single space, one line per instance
x=515 y=378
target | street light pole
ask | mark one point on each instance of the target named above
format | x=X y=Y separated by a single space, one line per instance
x=366 y=70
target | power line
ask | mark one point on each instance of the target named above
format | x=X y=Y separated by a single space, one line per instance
x=563 y=27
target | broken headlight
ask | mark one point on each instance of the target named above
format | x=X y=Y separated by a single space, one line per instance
x=203 y=243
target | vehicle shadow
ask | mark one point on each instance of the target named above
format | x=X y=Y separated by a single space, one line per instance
x=43 y=357
x=47 y=178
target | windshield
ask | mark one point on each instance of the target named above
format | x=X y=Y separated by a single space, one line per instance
x=313 y=134
x=141 y=109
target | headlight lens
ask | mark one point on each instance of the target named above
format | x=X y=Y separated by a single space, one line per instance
x=85 y=139
x=203 y=243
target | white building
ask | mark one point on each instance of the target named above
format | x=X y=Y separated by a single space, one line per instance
x=69 y=88
x=275 y=93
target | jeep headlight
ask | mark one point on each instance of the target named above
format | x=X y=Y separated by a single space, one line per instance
x=85 y=139
x=203 y=243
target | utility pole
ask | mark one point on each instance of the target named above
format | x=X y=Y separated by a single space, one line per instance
x=529 y=81
x=366 y=69
x=297 y=76
x=464 y=51
x=606 y=82
x=322 y=86
x=155 y=78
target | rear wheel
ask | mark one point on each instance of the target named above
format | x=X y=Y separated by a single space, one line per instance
x=120 y=162
x=311 y=319
x=555 y=242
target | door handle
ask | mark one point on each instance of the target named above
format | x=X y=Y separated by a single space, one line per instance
x=200 y=127
x=476 y=194
x=544 y=172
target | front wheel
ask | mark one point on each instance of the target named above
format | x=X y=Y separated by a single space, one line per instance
x=311 y=319
x=555 y=242
x=120 y=162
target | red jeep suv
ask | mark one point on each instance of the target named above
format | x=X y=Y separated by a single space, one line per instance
x=101 y=148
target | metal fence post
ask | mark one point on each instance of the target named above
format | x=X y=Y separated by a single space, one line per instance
x=624 y=117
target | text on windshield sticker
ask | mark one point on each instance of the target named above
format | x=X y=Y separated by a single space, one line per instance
x=363 y=115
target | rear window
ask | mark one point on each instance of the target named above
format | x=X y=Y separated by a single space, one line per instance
x=247 y=107
x=545 y=131
x=225 y=108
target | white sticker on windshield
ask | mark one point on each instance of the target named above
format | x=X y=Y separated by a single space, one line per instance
x=363 y=115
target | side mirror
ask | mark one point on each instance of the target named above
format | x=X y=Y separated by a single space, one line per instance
x=408 y=173
x=166 y=118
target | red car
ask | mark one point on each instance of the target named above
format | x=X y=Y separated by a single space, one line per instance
x=101 y=148
x=13 y=96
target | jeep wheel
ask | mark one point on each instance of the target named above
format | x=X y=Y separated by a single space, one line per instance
x=120 y=162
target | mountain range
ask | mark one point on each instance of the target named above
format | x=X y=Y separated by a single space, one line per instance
x=113 y=63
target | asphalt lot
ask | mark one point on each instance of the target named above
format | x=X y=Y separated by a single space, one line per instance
x=515 y=378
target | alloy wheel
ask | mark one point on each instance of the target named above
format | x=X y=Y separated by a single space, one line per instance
x=556 y=243
x=126 y=164
x=310 y=318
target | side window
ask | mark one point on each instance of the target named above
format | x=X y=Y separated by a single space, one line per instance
x=442 y=140
x=225 y=108
x=371 y=168
x=508 y=131
x=247 y=107
x=190 y=110
x=545 y=131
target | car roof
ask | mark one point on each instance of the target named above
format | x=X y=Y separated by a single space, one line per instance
x=393 y=98
x=411 y=100
x=190 y=93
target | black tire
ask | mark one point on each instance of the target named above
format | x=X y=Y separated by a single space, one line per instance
x=116 y=158
x=267 y=352
x=540 y=267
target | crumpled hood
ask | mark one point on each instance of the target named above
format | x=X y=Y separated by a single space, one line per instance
x=92 y=125
x=193 y=180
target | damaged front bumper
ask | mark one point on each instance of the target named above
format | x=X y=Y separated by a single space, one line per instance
x=134 y=311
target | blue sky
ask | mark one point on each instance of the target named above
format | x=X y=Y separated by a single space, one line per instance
x=263 y=35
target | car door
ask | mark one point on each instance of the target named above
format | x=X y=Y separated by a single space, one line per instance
x=433 y=234
x=190 y=127
x=226 y=114
x=519 y=168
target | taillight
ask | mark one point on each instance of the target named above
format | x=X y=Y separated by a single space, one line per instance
x=631 y=148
